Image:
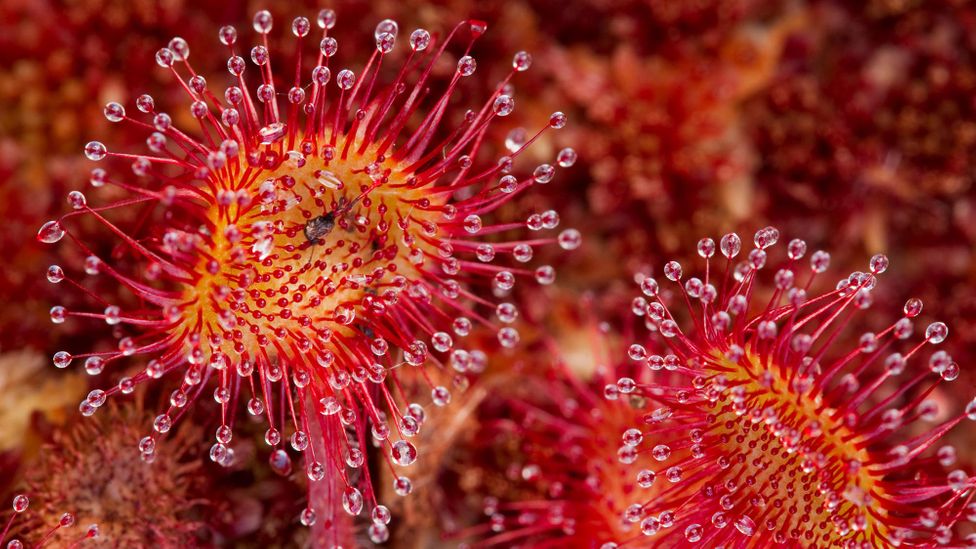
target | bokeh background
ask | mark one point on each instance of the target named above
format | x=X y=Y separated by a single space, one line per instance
x=850 y=124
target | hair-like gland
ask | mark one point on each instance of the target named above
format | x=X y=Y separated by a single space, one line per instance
x=46 y=533
x=307 y=245
x=770 y=431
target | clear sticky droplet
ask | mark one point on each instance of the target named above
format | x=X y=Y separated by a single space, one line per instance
x=50 y=232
